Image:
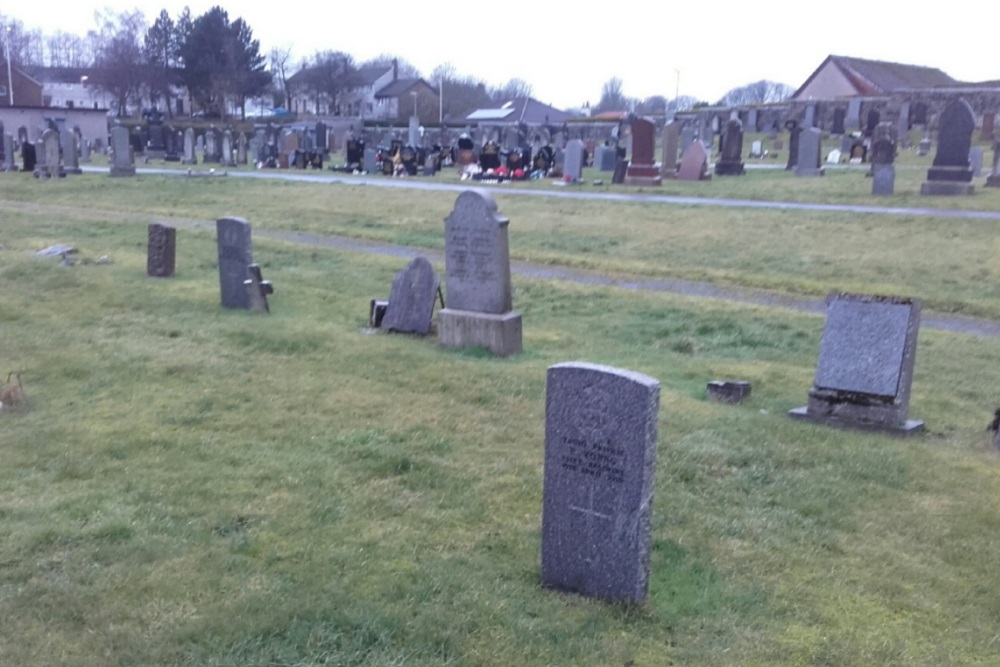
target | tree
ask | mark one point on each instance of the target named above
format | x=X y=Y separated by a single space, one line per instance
x=758 y=92
x=279 y=59
x=514 y=89
x=160 y=52
x=460 y=95
x=327 y=75
x=119 y=66
x=404 y=68
x=26 y=46
x=612 y=97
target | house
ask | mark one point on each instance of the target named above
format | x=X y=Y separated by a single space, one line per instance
x=842 y=76
x=522 y=110
x=27 y=91
x=76 y=88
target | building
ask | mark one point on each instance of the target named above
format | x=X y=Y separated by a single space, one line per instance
x=842 y=76
x=520 y=111
x=27 y=90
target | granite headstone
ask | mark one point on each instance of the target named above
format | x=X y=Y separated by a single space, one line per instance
x=411 y=300
x=161 y=250
x=235 y=256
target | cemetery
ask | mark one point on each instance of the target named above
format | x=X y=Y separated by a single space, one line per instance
x=701 y=392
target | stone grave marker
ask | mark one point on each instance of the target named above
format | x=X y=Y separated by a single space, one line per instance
x=976 y=161
x=989 y=119
x=903 y=125
x=605 y=158
x=865 y=367
x=731 y=161
x=370 y=164
x=478 y=295
x=993 y=180
x=810 y=119
x=257 y=289
x=227 y=149
x=573 y=162
x=833 y=157
x=235 y=255
x=852 y=122
x=839 y=114
x=8 y=152
x=71 y=159
x=751 y=125
x=687 y=136
x=122 y=164
x=668 y=160
x=84 y=150
x=694 y=163
x=621 y=167
x=883 y=158
x=161 y=250
x=53 y=161
x=794 y=134
x=642 y=168
x=924 y=147
x=213 y=149
x=808 y=163
x=241 y=149
x=600 y=464
x=950 y=173
x=189 y=156
x=411 y=300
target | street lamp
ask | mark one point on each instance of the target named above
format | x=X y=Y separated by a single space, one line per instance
x=10 y=79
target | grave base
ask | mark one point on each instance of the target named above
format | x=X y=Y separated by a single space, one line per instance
x=993 y=181
x=500 y=334
x=729 y=168
x=908 y=428
x=946 y=188
x=803 y=171
x=643 y=174
x=117 y=172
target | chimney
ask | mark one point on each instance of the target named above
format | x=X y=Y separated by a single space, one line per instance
x=395 y=69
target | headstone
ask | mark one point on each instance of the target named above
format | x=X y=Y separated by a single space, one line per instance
x=84 y=151
x=976 y=161
x=413 y=135
x=621 y=167
x=213 y=148
x=731 y=161
x=993 y=180
x=478 y=299
x=883 y=158
x=919 y=116
x=189 y=154
x=810 y=119
x=687 y=136
x=809 y=153
x=794 y=134
x=573 y=162
x=257 y=289
x=200 y=147
x=322 y=144
x=71 y=160
x=951 y=173
x=833 y=157
x=873 y=120
x=642 y=167
x=370 y=165
x=865 y=366
x=605 y=158
x=53 y=162
x=728 y=391
x=846 y=144
x=235 y=255
x=986 y=134
x=668 y=161
x=227 y=149
x=600 y=465
x=903 y=125
x=161 y=250
x=122 y=163
x=924 y=147
x=694 y=163
x=853 y=120
x=751 y=125
x=757 y=149
x=839 y=114
x=411 y=300
x=241 y=149
x=8 y=152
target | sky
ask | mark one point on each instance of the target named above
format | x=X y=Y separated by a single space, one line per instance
x=568 y=50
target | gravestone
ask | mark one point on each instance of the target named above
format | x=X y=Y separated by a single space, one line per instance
x=993 y=180
x=122 y=164
x=833 y=157
x=235 y=255
x=600 y=464
x=227 y=149
x=257 y=289
x=411 y=300
x=8 y=152
x=951 y=174
x=687 y=136
x=976 y=161
x=839 y=114
x=189 y=154
x=213 y=149
x=989 y=119
x=873 y=120
x=478 y=299
x=53 y=161
x=883 y=158
x=924 y=147
x=808 y=163
x=694 y=163
x=852 y=122
x=642 y=168
x=605 y=158
x=370 y=165
x=731 y=161
x=573 y=162
x=757 y=149
x=903 y=125
x=668 y=160
x=71 y=160
x=865 y=366
x=241 y=149
x=794 y=134
x=84 y=151
x=751 y=125
x=919 y=116
x=621 y=167
x=161 y=250
x=28 y=157
x=810 y=119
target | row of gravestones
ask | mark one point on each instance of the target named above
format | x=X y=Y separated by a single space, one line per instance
x=600 y=422
x=55 y=154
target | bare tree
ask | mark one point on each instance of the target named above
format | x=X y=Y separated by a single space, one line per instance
x=758 y=92
x=120 y=64
x=26 y=46
x=280 y=61
x=612 y=97
x=404 y=68
x=460 y=95
x=514 y=89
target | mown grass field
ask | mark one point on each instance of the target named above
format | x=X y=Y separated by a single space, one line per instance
x=194 y=486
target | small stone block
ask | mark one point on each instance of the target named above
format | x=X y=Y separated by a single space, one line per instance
x=500 y=334
x=376 y=312
x=946 y=188
x=734 y=391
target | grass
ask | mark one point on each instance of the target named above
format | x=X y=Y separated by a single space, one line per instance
x=193 y=486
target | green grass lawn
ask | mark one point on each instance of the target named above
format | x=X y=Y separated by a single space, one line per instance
x=195 y=486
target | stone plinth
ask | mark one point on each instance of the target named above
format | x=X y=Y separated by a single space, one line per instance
x=499 y=333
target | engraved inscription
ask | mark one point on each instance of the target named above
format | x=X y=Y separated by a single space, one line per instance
x=599 y=459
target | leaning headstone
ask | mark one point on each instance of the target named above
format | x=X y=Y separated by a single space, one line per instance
x=668 y=161
x=883 y=158
x=257 y=289
x=71 y=160
x=865 y=366
x=411 y=300
x=122 y=163
x=642 y=166
x=161 y=250
x=976 y=161
x=600 y=464
x=235 y=255
x=479 y=298
x=808 y=163
x=573 y=162
x=189 y=155
x=993 y=180
x=694 y=163
x=731 y=161
x=951 y=173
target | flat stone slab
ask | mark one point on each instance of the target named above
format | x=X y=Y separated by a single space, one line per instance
x=911 y=427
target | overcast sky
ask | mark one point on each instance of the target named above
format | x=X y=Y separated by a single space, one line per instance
x=567 y=50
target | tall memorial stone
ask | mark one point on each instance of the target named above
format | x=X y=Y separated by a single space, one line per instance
x=731 y=161
x=865 y=366
x=642 y=167
x=235 y=258
x=8 y=152
x=213 y=148
x=573 y=161
x=122 y=163
x=71 y=158
x=839 y=114
x=50 y=149
x=189 y=156
x=989 y=120
x=668 y=161
x=883 y=158
x=853 y=120
x=411 y=300
x=810 y=154
x=751 y=125
x=951 y=173
x=227 y=149
x=478 y=299
x=794 y=134
x=600 y=462
x=241 y=149
x=161 y=250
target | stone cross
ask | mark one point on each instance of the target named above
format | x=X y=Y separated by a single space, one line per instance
x=257 y=289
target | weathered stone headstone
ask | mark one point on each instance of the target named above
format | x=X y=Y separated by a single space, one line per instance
x=53 y=161
x=883 y=158
x=411 y=300
x=833 y=157
x=728 y=391
x=621 y=167
x=227 y=149
x=122 y=163
x=605 y=158
x=642 y=167
x=839 y=114
x=865 y=366
x=976 y=161
x=241 y=149
x=993 y=180
x=951 y=173
x=687 y=136
x=731 y=161
x=668 y=161
x=370 y=164
x=903 y=125
x=989 y=119
x=8 y=152
x=600 y=464
x=161 y=250
x=751 y=125
x=573 y=162
x=852 y=122
x=794 y=134
x=808 y=163
x=478 y=293
x=235 y=255
x=213 y=147
x=924 y=147
x=189 y=156
x=810 y=119
x=71 y=160
x=694 y=163
x=257 y=289
x=84 y=150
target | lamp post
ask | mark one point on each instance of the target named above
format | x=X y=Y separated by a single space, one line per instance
x=10 y=79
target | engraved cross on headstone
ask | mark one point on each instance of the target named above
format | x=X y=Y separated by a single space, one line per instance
x=258 y=289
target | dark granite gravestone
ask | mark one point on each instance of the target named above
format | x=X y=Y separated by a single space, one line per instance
x=161 y=250
x=919 y=114
x=731 y=161
x=411 y=300
x=573 y=162
x=951 y=174
x=600 y=463
x=865 y=365
x=257 y=289
x=794 y=132
x=873 y=120
x=839 y=114
x=642 y=167
x=621 y=168
x=668 y=160
x=694 y=163
x=810 y=155
x=883 y=158
x=993 y=180
x=235 y=255
x=122 y=163
x=479 y=299
x=28 y=157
